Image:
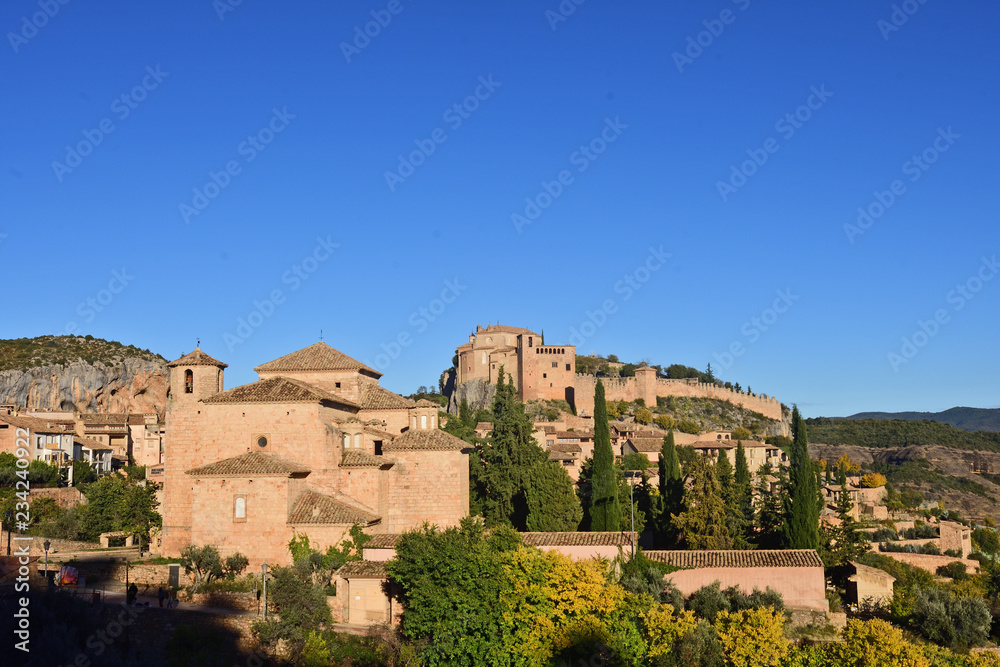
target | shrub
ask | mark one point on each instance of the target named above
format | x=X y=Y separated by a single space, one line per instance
x=876 y=643
x=204 y=562
x=873 y=480
x=884 y=535
x=708 y=601
x=643 y=416
x=741 y=433
x=235 y=564
x=664 y=421
x=920 y=531
x=753 y=637
x=955 y=570
x=688 y=426
x=636 y=461
x=958 y=623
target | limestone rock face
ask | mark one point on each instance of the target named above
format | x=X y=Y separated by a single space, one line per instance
x=134 y=385
x=479 y=393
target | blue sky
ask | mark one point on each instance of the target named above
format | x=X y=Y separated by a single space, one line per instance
x=273 y=149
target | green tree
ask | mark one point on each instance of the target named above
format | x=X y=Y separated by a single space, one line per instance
x=845 y=541
x=769 y=519
x=801 y=505
x=702 y=524
x=552 y=502
x=118 y=504
x=743 y=484
x=204 y=562
x=508 y=459
x=671 y=488
x=605 y=512
x=955 y=622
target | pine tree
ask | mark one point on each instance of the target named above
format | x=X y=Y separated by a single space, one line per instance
x=768 y=508
x=724 y=472
x=703 y=524
x=605 y=512
x=802 y=504
x=671 y=488
x=508 y=458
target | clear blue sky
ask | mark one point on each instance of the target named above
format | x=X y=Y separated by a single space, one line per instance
x=329 y=121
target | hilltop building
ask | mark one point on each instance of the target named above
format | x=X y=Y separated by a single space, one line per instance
x=314 y=446
x=542 y=371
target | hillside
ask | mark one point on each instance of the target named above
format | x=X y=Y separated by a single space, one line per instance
x=22 y=354
x=85 y=374
x=878 y=433
x=967 y=419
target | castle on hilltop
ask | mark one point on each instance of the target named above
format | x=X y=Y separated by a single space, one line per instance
x=542 y=371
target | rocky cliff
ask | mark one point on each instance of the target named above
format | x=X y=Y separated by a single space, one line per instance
x=129 y=385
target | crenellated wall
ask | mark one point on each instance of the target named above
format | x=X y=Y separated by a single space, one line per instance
x=648 y=387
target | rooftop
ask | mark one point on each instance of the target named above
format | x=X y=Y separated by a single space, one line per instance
x=577 y=539
x=427 y=439
x=315 y=508
x=251 y=464
x=375 y=397
x=750 y=558
x=363 y=569
x=277 y=390
x=358 y=458
x=316 y=357
x=197 y=358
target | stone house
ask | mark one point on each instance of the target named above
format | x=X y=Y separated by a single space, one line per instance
x=797 y=574
x=314 y=446
x=869 y=585
x=47 y=440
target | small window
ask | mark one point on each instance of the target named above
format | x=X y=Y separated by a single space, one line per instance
x=378 y=448
x=240 y=509
x=544 y=375
x=423 y=421
x=188 y=382
x=555 y=364
x=357 y=441
x=347 y=441
x=262 y=441
x=337 y=385
x=567 y=367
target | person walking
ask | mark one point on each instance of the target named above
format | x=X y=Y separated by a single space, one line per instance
x=161 y=595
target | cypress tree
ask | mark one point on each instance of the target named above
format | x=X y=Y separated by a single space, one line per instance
x=743 y=481
x=671 y=486
x=605 y=512
x=802 y=504
x=724 y=472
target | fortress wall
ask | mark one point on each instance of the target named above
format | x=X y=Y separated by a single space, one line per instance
x=629 y=389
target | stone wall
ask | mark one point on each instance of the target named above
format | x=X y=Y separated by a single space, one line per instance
x=65 y=497
x=800 y=587
x=929 y=562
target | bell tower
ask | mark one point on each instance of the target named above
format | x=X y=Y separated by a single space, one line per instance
x=193 y=377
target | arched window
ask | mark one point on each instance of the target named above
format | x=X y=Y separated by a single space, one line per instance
x=188 y=382
x=357 y=441
x=347 y=441
x=423 y=421
x=240 y=508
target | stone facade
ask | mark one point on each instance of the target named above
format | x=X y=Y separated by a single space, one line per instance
x=315 y=446
x=544 y=371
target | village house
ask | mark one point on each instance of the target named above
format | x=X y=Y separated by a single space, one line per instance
x=313 y=447
x=869 y=586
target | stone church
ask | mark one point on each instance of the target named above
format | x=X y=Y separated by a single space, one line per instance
x=314 y=446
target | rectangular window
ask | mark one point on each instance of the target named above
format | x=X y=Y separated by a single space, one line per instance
x=555 y=364
x=567 y=367
x=337 y=385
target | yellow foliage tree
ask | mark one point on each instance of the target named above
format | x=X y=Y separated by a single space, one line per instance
x=664 y=421
x=663 y=629
x=847 y=465
x=876 y=643
x=873 y=480
x=643 y=416
x=753 y=637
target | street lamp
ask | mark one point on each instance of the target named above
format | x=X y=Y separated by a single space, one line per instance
x=48 y=582
x=630 y=474
x=263 y=576
x=9 y=525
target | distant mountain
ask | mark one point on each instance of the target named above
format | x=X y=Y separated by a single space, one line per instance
x=967 y=419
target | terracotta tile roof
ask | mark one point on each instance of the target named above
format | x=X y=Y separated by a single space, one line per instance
x=91 y=444
x=278 y=390
x=383 y=541
x=750 y=558
x=359 y=458
x=714 y=444
x=197 y=358
x=428 y=439
x=364 y=569
x=36 y=424
x=385 y=435
x=119 y=418
x=316 y=357
x=561 y=456
x=315 y=508
x=505 y=348
x=581 y=539
x=583 y=435
x=374 y=397
x=872 y=572
x=425 y=403
x=646 y=444
x=565 y=447
x=251 y=464
x=484 y=426
x=503 y=328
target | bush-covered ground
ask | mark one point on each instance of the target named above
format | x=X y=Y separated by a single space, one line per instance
x=21 y=354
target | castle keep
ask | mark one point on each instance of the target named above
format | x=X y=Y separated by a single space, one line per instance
x=314 y=446
x=549 y=372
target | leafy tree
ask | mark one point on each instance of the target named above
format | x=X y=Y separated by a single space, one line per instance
x=955 y=622
x=322 y=565
x=552 y=502
x=688 y=426
x=801 y=505
x=873 y=480
x=702 y=524
x=876 y=643
x=204 y=562
x=753 y=637
x=636 y=461
x=643 y=416
x=743 y=480
x=698 y=648
x=118 y=504
x=664 y=421
x=235 y=564
x=605 y=512
x=301 y=610
x=741 y=433
x=732 y=497
x=986 y=540
x=83 y=473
